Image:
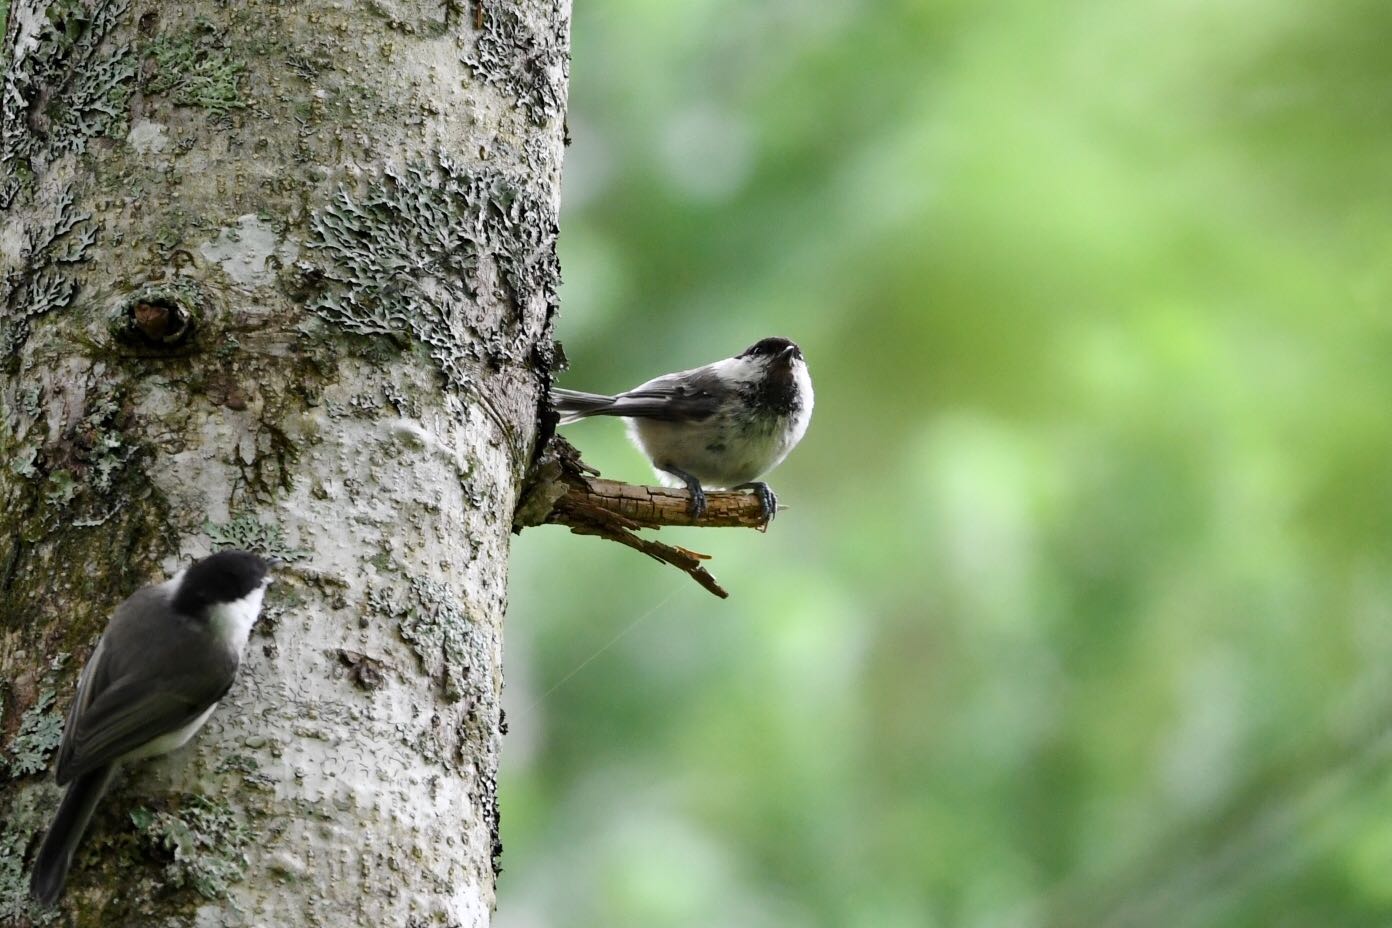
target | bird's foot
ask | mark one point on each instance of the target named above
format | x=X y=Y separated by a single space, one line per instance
x=693 y=486
x=766 y=497
x=698 y=501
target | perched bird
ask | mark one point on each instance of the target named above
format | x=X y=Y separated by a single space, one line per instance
x=169 y=653
x=719 y=426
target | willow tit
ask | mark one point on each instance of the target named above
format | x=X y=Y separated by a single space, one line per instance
x=169 y=653
x=719 y=426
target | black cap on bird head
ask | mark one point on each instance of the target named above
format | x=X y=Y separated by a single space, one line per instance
x=781 y=349
x=224 y=577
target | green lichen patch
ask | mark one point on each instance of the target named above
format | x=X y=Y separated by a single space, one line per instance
x=82 y=466
x=40 y=728
x=40 y=281
x=40 y=546
x=22 y=813
x=247 y=532
x=249 y=770
x=533 y=66
x=84 y=477
x=72 y=84
x=195 y=69
x=409 y=258
x=40 y=731
x=447 y=641
x=14 y=882
x=202 y=840
x=99 y=444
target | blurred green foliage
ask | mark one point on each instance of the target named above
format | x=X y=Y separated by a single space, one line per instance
x=1081 y=613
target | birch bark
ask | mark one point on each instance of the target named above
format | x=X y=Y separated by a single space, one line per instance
x=277 y=276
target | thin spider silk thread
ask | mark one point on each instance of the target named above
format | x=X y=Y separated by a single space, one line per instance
x=605 y=647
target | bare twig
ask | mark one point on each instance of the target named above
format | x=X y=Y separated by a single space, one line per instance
x=566 y=491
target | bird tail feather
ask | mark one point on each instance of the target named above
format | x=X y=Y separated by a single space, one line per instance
x=574 y=405
x=74 y=812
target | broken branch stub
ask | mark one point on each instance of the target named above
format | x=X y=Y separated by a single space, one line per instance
x=564 y=490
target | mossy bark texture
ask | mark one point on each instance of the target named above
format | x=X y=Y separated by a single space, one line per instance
x=279 y=276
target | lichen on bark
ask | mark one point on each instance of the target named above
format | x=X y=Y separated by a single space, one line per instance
x=411 y=256
x=37 y=280
x=201 y=841
x=303 y=305
x=68 y=81
x=195 y=69
x=529 y=62
x=446 y=639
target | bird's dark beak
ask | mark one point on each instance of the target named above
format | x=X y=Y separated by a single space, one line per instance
x=787 y=354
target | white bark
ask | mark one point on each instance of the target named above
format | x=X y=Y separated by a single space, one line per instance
x=355 y=205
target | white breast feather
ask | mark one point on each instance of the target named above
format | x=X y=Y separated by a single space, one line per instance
x=170 y=741
x=688 y=445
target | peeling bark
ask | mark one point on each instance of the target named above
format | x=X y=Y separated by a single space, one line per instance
x=278 y=276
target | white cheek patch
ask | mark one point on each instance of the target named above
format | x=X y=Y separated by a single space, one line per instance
x=232 y=622
x=739 y=370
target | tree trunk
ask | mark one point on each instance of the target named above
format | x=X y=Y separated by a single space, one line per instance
x=277 y=276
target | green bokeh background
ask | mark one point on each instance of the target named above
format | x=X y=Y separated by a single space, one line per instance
x=1081 y=611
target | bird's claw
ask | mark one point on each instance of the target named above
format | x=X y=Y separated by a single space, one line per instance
x=767 y=498
x=693 y=487
x=698 y=502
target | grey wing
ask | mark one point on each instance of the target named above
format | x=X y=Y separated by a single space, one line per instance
x=688 y=395
x=130 y=712
x=119 y=704
x=92 y=679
